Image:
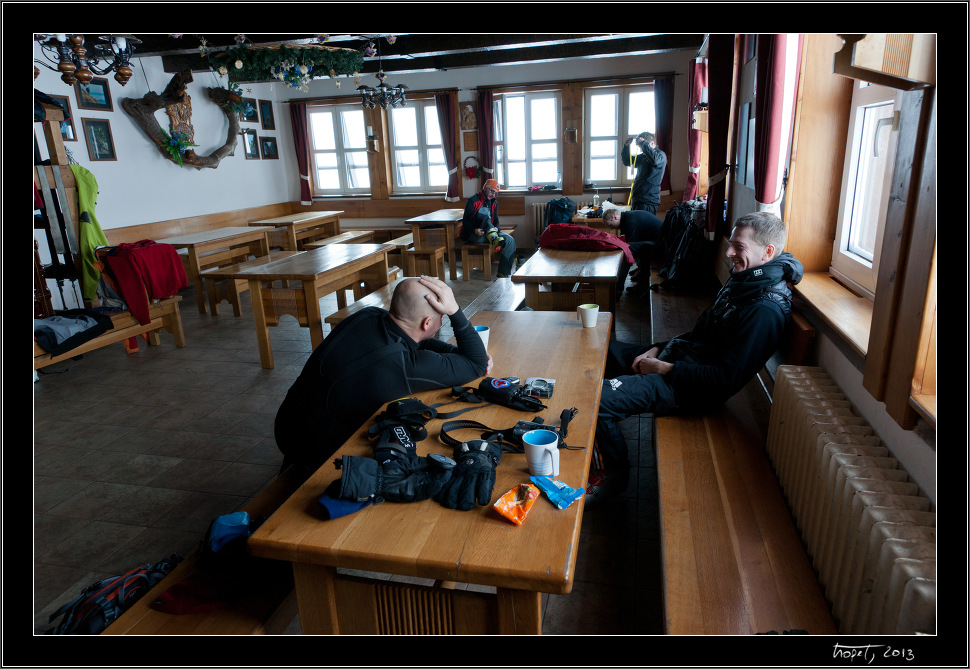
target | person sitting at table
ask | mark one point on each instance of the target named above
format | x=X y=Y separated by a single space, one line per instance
x=373 y=357
x=696 y=372
x=480 y=225
x=649 y=169
x=640 y=229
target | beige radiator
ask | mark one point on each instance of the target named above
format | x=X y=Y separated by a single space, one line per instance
x=538 y=213
x=870 y=533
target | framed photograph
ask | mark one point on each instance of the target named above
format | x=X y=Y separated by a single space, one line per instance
x=253 y=115
x=266 y=114
x=97 y=136
x=268 y=148
x=68 y=133
x=250 y=144
x=94 y=95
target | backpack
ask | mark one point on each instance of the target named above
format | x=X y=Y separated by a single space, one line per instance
x=560 y=210
x=102 y=602
x=684 y=252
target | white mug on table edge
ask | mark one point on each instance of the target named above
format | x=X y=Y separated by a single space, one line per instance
x=542 y=452
x=588 y=314
x=482 y=331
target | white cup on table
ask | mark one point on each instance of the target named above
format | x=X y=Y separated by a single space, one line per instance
x=588 y=314
x=542 y=452
x=482 y=331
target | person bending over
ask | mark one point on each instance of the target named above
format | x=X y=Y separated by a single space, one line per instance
x=641 y=230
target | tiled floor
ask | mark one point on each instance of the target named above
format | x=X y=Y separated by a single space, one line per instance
x=135 y=454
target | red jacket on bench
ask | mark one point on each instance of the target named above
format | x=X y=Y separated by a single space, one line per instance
x=146 y=270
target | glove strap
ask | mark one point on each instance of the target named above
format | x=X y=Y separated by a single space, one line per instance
x=488 y=434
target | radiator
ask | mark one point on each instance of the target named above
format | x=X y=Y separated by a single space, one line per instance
x=538 y=211
x=870 y=533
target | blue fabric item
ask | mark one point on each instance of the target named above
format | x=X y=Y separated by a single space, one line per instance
x=334 y=507
x=228 y=527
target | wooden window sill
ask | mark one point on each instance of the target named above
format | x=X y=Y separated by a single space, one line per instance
x=848 y=314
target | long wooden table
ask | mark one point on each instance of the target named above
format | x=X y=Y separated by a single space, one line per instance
x=558 y=279
x=304 y=226
x=220 y=246
x=321 y=272
x=425 y=539
x=446 y=218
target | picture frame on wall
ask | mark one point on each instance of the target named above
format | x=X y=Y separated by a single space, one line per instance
x=98 y=138
x=94 y=95
x=268 y=148
x=266 y=115
x=253 y=115
x=250 y=144
x=68 y=132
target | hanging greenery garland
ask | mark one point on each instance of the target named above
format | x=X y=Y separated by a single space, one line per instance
x=295 y=65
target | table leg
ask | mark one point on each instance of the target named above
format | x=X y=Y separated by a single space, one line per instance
x=262 y=329
x=291 y=238
x=313 y=317
x=519 y=611
x=450 y=250
x=532 y=295
x=195 y=272
x=316 y=598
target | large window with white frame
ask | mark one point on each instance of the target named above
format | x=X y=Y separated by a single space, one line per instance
x=866 y=182
x=612 y=115
x=526 y=143
x=417 y=154
x=338 y=154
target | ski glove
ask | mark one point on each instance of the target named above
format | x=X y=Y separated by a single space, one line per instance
x=407 y=478
x=473 y=477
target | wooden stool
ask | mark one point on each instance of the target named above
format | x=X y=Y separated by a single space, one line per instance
x=482 y=254
x=431 y=259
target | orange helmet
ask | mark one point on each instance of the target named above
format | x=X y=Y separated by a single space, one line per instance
x=491 y=183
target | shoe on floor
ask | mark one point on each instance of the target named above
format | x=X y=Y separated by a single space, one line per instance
x=639 y=289
x=603 y=484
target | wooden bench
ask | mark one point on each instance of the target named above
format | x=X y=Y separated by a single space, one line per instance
x=163 y=314
x=732 y=559
x=267 y=607
x=429 y=261
x=479 y=255
x=379 y=298
x=400 y=244
x=220 y=284
x=500 y=295
x=346 y=237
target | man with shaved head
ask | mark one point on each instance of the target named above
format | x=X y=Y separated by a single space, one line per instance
x=371 y=358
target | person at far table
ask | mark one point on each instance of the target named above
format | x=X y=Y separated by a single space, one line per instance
x=649 y=169
x=480 y=225
x=640 y=229
x=696 y=372
x=371 y=358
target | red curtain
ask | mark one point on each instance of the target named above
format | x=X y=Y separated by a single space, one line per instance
x=720 y=82
x=447 y=106
x=663 y=101
x=486 y=134
x=298 y=117
x=697 y=82
x=777 y=82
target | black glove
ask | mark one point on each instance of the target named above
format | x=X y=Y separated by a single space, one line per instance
x=399 y=427
x=473 y=477
x=408 y=478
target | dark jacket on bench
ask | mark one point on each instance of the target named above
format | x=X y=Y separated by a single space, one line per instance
x=734 y=337
x=364 y=363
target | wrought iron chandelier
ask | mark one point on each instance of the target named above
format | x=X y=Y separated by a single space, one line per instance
x=75 y=63
x=383 y=94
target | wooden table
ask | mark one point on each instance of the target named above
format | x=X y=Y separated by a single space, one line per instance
x=580 y=219
x=220 y=246
x=447 y=218
x=321 y=272
x=551 y=277
x=426 y=540
x=304 y=226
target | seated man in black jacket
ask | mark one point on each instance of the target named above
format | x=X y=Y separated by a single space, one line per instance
x=371 y=358
x=699 y=370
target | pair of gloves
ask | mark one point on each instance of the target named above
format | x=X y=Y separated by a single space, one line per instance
x=455 y=483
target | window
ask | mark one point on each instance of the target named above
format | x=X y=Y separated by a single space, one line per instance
x=527 y=139
x=338 y=158
x=418 y=158
x=613 y=114
x=869 y=160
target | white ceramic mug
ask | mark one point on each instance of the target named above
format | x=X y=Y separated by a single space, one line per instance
x=542 y=452
x=482 y=331
x=588 y=313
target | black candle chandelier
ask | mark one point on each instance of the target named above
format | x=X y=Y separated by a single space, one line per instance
x=383 y=94
x=77 y=62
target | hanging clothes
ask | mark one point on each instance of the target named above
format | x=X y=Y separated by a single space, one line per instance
x=90 y=234
x=145 y=270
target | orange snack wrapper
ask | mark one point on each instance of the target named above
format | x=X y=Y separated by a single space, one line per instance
x=515 y=504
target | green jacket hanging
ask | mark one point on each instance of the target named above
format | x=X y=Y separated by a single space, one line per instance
x=90 y=235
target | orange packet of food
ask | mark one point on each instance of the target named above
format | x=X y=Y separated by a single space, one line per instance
x=515 y=504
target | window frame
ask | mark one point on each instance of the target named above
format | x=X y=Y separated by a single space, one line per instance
x=625 y=174
x=423 y=148
x=340 y=151
x=500 y=140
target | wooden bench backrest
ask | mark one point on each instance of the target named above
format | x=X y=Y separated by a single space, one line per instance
x=184 y=226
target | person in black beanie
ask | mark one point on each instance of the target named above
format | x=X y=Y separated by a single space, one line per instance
x=698 y=371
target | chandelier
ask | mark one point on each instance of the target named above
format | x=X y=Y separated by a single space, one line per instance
x=383 y=94
x=75 y=63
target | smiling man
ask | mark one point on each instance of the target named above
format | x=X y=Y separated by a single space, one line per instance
x=699 y=370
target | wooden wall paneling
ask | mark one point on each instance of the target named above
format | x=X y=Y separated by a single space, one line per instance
x=573 y=98
x=817 y=155
x=378 y=163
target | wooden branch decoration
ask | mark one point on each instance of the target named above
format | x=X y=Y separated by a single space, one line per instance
x=143 y=109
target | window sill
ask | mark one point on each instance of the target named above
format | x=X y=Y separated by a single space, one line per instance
x=849 y=315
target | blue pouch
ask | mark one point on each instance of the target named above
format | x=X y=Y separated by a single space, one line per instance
x=558 y=492
x=228 y=527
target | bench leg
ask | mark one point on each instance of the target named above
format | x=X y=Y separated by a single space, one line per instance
x=466 y=265
x=173 y=323
x=487 y=264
